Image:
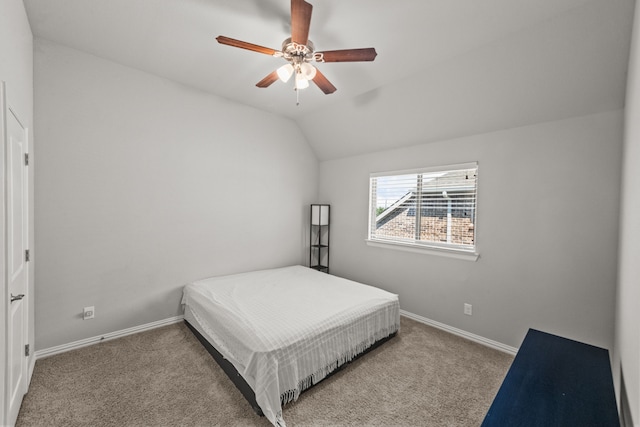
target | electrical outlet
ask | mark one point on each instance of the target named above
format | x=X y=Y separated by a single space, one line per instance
x=468 y=309
x=88 y=313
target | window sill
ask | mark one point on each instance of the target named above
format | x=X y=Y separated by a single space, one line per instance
x=427 y=250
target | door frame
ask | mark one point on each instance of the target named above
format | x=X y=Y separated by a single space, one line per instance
x=3 y=257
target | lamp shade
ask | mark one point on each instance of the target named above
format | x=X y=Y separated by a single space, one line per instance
x=319 y=214
x=308 y=71
x=301 y=81
x=285 y=72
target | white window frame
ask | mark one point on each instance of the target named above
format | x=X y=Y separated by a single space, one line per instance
x=425 y=247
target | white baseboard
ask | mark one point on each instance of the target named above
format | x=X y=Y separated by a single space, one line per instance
x=124 y=332
x=459 y=332
x=106 y=337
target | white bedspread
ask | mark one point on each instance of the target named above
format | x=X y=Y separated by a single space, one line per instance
x=285 y=329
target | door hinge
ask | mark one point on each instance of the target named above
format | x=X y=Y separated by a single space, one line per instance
x=26 y=159
x=27 y=257
x=26 y=350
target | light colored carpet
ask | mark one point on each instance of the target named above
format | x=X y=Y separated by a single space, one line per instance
x=164 y=377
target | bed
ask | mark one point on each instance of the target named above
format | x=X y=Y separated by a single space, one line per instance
x=283 y=330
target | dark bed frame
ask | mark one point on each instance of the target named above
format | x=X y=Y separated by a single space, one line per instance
x=240 y=382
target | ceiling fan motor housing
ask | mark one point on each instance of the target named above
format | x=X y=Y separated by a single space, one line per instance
x=298 y=53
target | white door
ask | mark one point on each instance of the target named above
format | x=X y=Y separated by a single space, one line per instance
x=16 y=263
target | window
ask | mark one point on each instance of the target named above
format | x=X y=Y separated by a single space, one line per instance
x=432 y=208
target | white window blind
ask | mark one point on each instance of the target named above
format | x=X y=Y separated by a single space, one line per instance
x=434 y=207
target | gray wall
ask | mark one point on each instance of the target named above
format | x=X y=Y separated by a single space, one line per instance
x=16 y=70
x=627 y=348
x=143 y=185
x=547 y=231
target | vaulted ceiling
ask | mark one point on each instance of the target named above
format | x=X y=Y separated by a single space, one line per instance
x=445 y=68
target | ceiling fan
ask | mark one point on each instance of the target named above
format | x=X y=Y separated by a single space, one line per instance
x=299 y=51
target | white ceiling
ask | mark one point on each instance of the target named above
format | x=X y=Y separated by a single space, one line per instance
x=445 y=68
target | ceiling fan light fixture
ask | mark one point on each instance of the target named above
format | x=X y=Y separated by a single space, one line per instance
x=299 y=51
x=308 y=70
x=285 y=72
x=301 y=81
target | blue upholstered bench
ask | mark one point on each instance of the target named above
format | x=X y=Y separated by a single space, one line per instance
x=554 y=381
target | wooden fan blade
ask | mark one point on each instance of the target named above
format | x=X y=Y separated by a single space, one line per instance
x=324 y=84
x=269 y=80
x=347 y=55
x=244 y=45
x=300 y=21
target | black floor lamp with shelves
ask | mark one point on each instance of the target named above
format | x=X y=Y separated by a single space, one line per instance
x=319 y=238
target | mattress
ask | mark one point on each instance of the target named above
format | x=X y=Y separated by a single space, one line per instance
x=286 y=329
